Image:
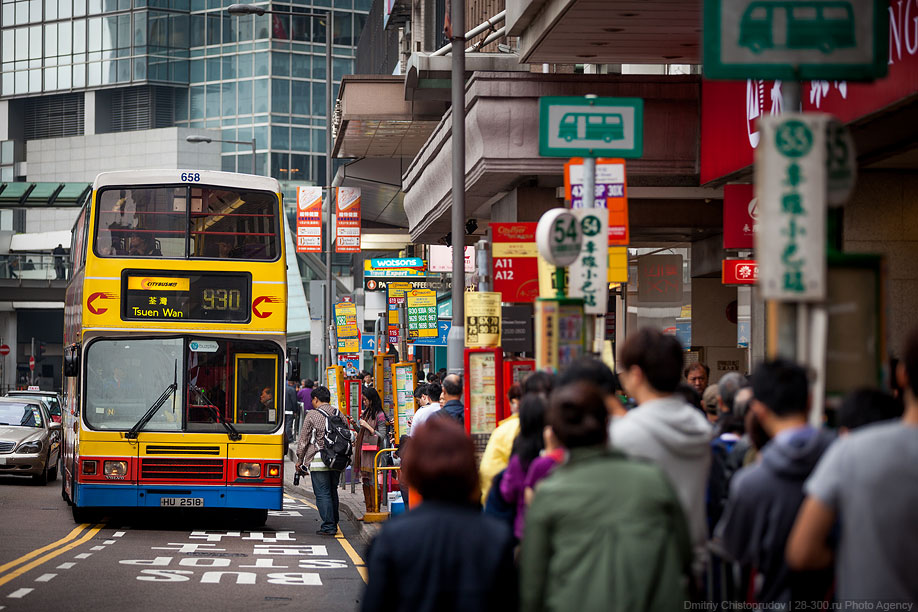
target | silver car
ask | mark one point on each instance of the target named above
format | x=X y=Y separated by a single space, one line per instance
x=29 y=440
x=50 y=399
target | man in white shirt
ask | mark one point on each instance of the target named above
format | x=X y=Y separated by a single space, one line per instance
x=430 y=402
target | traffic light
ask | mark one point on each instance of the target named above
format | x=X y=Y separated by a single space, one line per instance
x=39 y=351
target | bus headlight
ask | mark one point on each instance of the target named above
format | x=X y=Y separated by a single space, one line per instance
x=115 y=468
x=274 y=470
x=249 y=470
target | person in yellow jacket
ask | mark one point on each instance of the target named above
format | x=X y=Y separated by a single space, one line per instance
x=497 y=452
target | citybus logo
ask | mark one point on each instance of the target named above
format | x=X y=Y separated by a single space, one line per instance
x=96 y=310
x=155 y=284
x=263 y=299
x=158 y=283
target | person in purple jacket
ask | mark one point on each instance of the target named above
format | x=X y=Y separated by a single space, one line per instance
x=526 y=449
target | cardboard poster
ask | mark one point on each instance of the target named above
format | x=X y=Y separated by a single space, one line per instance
x=347 y=220
x=308 y=219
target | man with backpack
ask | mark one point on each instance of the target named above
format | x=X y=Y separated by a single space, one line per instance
x=324 y=449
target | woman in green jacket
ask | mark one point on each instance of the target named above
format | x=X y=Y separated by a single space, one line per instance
x=603 y=532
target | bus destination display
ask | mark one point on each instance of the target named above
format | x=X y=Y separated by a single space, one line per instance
x=164 y=296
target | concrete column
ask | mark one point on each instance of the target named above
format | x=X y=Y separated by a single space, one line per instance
x=89 y=113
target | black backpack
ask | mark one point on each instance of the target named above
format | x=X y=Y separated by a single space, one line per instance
x=336 y=454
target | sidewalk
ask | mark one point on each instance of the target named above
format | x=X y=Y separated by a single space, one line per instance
x=351 y=505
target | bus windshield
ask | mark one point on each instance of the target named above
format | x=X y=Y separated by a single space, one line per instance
x=187 y=222
x=218 y=382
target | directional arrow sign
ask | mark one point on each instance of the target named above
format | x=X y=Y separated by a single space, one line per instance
x=368 y=343
x=798 y=40
x=591 y=127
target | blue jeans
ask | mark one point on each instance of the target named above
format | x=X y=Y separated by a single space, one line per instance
x=325 y=486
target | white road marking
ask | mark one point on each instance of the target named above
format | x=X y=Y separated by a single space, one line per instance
x=83 y=556
x=67 y=565
x=97 y=548
x=19 y=593
x=108 y=542
x=45 y=578
x=118 y=534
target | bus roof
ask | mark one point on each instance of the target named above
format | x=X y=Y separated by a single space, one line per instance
x=207 y=177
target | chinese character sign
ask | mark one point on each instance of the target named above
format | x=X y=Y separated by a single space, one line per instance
x=790 y=179
x=660 y=278
x=515 y=267
x=396 y=293
x=308 y=219
x=347 y=219
x=740 y=216
x=589 y=272
x=346 y=327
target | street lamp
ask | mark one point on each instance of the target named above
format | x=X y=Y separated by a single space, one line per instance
x=251 y=9
x=238 y=142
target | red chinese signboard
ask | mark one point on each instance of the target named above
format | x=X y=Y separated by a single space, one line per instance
x=739 y=272
x=729 y=109
x=739 y=216
x=308 y=219
x=515 y=262
x=347 y=220
x=611 y=191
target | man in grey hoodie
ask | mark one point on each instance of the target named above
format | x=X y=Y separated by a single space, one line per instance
x=664 y=428
x=765 y=497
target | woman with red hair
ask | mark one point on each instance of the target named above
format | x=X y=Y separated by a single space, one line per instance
x=445 y=554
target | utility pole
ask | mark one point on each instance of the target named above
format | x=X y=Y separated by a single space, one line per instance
x=455 y=342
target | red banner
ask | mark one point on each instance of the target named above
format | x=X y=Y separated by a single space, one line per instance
x=739 y=272
x=308 y=219
x=515 y=261
x=739 y=216
x=729 y=109
x=347 y=220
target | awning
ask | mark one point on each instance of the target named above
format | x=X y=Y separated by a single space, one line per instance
x=40 y=241
x=44 y=195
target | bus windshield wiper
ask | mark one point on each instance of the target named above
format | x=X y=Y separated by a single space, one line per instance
x=233 y=433
x=133 y=431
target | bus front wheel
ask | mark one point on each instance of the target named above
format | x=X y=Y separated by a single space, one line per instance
x=83 y=514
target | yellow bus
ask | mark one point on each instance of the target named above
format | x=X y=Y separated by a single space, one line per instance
x=174 y=334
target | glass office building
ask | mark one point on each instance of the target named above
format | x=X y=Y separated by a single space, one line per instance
x=186 y=63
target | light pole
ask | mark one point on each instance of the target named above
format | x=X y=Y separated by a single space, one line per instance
x=455 y=341
x=251 y=9
x=238 y=142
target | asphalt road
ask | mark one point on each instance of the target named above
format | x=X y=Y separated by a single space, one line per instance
x=170 y=560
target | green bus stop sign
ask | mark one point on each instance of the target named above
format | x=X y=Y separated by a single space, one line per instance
x=795 y=39
x=591 y=127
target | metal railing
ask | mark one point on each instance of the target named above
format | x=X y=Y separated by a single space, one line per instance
x=39 y=265
x=376 y=470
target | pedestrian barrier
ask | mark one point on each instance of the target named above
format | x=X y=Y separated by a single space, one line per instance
x=376 y=516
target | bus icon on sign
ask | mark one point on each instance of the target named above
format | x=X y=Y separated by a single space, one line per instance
x=797 y=25
x=591 y=126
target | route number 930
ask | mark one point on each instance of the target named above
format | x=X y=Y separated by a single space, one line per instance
x=191 y=177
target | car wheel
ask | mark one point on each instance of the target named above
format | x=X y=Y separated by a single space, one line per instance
x=256 y=518
x=52 y=473
x=41 y=479
x=82 y=514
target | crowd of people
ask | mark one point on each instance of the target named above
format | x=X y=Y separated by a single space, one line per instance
x=652 y=490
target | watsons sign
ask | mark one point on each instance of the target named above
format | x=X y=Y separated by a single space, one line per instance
x=401 y=262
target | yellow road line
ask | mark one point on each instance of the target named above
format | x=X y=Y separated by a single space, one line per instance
x=355 y=558
x=51 y=555
x=300 y=499
x=38 y=551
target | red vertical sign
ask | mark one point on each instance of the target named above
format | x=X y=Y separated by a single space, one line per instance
x=739 y=216
x=347 y=217
x=308 y=219
x=515 y=262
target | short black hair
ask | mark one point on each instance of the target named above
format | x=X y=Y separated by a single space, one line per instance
x=659 y=357
x=539 y=382
x=577 y=414
x=432 y=377
x=420 y=390
x=451 y=386
x=782 y=386
x=591 y=370
x=433 y=391
x=695 y=366
x=322 y=394
x=310 y=383
x=866 y=406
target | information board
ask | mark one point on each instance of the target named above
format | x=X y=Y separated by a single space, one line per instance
x=151 y=295
x=422 y=313
x=404 y=376
x=382 y=377
x=482 y=319
x=483 y=389
x=334 y=378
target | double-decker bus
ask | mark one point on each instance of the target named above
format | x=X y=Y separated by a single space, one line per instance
x=175 y=323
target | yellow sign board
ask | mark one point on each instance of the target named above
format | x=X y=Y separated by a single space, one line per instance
x=482 y=319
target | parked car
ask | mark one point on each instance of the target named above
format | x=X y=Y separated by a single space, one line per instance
x=50 y=399
x=30 y=442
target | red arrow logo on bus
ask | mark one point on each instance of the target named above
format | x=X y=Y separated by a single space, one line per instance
x=263 y=299
x=98 y=296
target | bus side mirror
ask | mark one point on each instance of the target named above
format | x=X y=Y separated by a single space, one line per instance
x=293 y=360
x=72 y=360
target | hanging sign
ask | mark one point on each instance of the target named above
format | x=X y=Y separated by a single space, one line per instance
x=440 y=258
x=515 y=261
x=790 y=182
x=422 y=314
x=558 y=237
x=308 y=219
x=609 y=181
x=660 y=278
x=740 y=216
x=347 y=219
x=482 y=319
x=396 y=293
x=589 y=273
x=739 y=272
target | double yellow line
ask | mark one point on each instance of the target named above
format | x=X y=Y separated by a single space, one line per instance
x=46 y=553
x=348 y=549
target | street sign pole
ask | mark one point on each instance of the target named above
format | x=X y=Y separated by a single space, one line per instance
x=455 y=349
